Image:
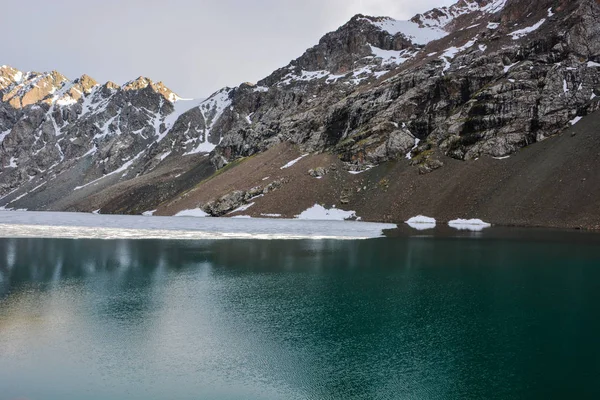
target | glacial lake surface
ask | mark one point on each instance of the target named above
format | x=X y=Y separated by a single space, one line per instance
x=497 y=314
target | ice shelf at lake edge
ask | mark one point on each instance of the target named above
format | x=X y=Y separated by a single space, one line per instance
x=92 y=226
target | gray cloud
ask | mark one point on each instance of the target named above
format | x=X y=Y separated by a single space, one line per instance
x=194 y=47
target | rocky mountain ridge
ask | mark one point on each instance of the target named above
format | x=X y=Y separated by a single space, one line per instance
x=481 y=78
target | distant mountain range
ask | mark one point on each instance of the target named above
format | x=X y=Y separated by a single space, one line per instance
x=390 y=116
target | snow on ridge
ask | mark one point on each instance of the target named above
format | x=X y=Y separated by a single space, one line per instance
x=453 y=51
x=308 y=76
x=494 y=6
x=354 y=77
x=391 y=56
x=411 y=30
x=384 y=59
x=181 y=106
x=211 y=109
x=432 y=26
x=215 y=104
x=518 y=34
x=18 y=77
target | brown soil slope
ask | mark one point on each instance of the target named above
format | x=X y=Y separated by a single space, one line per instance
x=555 y=183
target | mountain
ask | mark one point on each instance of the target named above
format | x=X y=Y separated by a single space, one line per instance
x=387 y=113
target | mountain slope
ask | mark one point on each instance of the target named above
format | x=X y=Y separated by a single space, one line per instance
x=552 y=183
x=441 y=92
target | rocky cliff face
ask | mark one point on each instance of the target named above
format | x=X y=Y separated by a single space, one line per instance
x=479 y=78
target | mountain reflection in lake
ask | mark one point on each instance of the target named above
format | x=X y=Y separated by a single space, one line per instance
x=401 y=317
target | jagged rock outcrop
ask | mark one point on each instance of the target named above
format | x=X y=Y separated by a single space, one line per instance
x=231 y=202
x=51 y=127
x=518 y=73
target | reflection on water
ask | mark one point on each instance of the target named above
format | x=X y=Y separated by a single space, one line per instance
x=376 y=319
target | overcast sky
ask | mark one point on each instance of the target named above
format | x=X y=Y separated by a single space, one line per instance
x=194 y=46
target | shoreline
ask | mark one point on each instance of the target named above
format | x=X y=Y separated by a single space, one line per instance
x=76 y=225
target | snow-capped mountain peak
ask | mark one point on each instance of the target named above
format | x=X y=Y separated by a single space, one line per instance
x=446 y=17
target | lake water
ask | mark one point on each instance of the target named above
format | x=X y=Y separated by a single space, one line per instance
x=504 y=314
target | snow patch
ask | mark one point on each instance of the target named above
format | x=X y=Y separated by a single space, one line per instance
x=271 y=215
x=508 y=67
x=66 y=101
x=293 y=162
x=196 y=212
x=148 y=213
x=180 y=106
x=434 y=27
x=409 y=154
x=575 y=120
x=409 y=29
x=368 y=167
x=242 y=208
x=320 y=213
x=305 y=76
x=451 y=52
x=212 y=109
x=165 y=155
x=526 y=31
x=3 y=135
x=391 y=56
x=474 y=225
x=421 y=223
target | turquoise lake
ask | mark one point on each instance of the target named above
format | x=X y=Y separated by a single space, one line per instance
x=500 y=315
